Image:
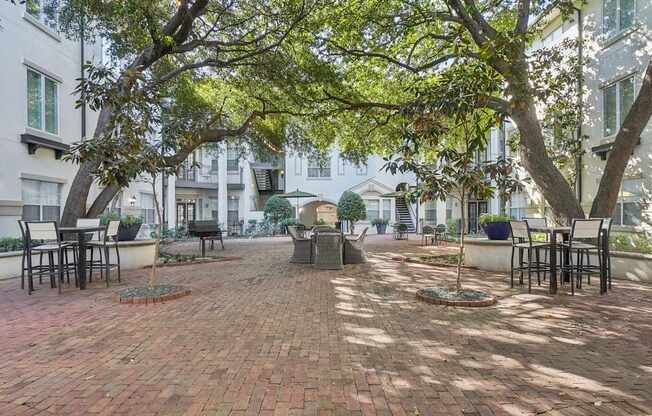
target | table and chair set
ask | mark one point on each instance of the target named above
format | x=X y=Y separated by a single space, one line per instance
x=326 y=247
x=577 y=252
x=57 y=245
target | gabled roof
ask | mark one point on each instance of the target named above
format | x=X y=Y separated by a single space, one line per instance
x=371 y=185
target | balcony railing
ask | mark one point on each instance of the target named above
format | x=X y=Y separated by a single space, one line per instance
x=197 y=175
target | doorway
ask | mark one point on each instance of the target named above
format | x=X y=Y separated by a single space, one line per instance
x=185 y=212
x=475 y=210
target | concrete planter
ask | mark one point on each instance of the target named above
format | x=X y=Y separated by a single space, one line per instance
x=133 y=255
x=495 y=255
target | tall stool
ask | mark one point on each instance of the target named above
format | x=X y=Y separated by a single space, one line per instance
x=107 y=241
x=47 y=231
x=522 y=241
x=584 y=240
x=23 y=260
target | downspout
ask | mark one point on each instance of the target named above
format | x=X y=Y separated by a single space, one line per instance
x=83 y=75
x=580 y=102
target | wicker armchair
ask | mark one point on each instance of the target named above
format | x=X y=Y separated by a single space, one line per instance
x=328 y=251
x=302 y=247
x=354 y=251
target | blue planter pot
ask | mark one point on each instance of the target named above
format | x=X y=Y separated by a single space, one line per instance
x=497 y=230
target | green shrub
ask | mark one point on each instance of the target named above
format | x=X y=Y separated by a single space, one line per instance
x=320 y=221
x=351 y=208
x=452 y=226
x=379 y=221
x=10 y=244
x=487 y=218
x=125 y=219
x=637 y=243
x=277 y=209
x=400 y=227
x=289 y=221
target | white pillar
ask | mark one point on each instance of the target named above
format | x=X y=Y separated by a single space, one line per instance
x=222 y=180
x=171 y=203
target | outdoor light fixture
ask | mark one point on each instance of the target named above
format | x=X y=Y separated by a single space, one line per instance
x=132 y=201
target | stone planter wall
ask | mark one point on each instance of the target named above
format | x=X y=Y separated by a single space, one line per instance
x=133 y=255
x=496 y=255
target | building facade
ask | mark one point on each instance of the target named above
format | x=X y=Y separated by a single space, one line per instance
x=39 y=119
x=614 y=36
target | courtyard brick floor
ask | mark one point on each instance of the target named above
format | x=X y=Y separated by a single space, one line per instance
x=261 y=336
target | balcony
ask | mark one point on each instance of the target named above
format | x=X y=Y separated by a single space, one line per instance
x=273 y=162
x=197 y=177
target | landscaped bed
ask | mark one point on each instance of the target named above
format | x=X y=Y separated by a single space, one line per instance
x=153 y=294
x=453 y=297
x=179 y=259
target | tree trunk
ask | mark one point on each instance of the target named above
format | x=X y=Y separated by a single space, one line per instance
x=626 y=140
x=534 y=157
x=460 y=255
x=102 y=200
x=157 y=245
x=75 y=206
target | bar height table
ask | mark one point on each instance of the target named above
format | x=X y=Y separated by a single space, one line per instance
x=552 y=232
x=81 y=241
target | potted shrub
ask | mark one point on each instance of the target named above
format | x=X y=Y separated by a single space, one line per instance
x=400 y=231
x=276 y=210
x=351 y=208
x=496 y=226
x=129 y=225
x=381 y=225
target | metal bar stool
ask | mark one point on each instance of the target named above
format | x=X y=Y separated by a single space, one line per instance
x=522 y=241
x=48 y=232
x=584 y=240
x=109 y=239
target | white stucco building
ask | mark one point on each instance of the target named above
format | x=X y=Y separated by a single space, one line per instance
x=615 y=37
x=38 y=119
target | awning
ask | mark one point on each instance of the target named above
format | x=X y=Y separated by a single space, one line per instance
x=34 y=142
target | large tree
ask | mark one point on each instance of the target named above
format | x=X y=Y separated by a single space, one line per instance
x=390 y=52
x=152 y=45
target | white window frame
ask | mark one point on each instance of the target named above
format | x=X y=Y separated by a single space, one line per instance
x=323 y=169
x=618 y=30
x=341 y=166
x=361 y=169
x=41 y=204
x=619 y=120
x=620 y=204
x=41 y=17
x=380 y=207
x=42 y=103
x=298 y=166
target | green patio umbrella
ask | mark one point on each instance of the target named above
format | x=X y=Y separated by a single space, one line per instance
x=298 y=194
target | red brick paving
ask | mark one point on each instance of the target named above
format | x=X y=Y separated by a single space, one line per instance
x=260 y=336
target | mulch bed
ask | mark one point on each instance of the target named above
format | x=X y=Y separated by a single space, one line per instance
x=156 y=294
x=198 y=260
x=452 y=297
x=430 y=261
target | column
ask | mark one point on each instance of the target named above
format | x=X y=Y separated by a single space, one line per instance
x=222 y=180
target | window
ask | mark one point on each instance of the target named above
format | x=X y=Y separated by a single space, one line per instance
x=41 y=200
x=387 y=209
x=233 y=206
x=361 y=169
x=431 y=212
x=617 y=101
x=147 y=208
x=552 y=38
x=212 y=206
x=628 y=209
x=373 y=209
x=319 y=168
x=341 y=166
x=449 y=209
x=42 y=102
x=617 y=15
x=232 y=159
x=298 y=166
x=214 y=165
x=45 y=11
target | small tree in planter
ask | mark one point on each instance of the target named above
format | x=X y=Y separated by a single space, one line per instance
x=381 y=225
x=277 y=209
x=351 y=208
x=452 y=171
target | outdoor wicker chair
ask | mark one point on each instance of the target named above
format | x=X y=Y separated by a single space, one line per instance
x=354 y=251
x=328 y=251
x=302 y=247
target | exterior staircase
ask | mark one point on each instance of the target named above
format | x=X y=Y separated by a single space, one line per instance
x=263 y=180
x=403 y=214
